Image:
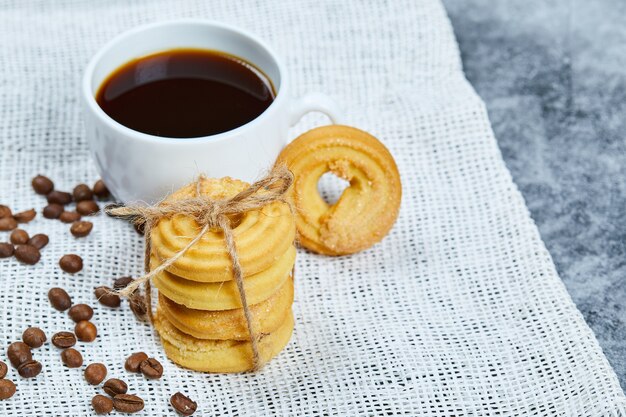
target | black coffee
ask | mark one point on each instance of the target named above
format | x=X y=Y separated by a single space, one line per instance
x=185 y=93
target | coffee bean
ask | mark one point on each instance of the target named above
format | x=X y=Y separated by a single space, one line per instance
x=126 y=403
x=59 y=197
x=107 y=297
x=95 y=373
x=121 y=283
x=133 y=362
x=102 y=404
x=42 y=185
x=63 y=340
x=87 y=207
x=72 y=358
x=29 y=369
x=151 y=368
x=100 y=189
x=18 y=353
x=52 y=211
x=85 y=331
x=7 y=223
x=81 y=229
x=80 y=312
x=27 y=254
x=82 y=192
x=71 y=263
x=39 y=241
x=5 y=211
x=6 y=249
x=59 y=299
x=69 y=216
x=25 y=216
x=140 y=228
x=19 y=237
x=183 y=404
x=34 y=337
x=7 y=389
x=3 y=369
x=138 y=305
x=114 y=387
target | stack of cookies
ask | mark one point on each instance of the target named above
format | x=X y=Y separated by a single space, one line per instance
x=199 y=316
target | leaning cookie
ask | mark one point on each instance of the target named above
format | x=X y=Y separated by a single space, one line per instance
x=366 y=210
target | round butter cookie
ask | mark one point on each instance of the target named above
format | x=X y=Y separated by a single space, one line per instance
x=267 y=315
x=224 y=295
x=219 y=355
x=261 y=236
x=367 y=208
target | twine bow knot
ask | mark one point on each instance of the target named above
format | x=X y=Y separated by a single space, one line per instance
x=209 y=214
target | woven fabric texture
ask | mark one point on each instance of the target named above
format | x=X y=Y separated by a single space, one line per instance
x=459 y=311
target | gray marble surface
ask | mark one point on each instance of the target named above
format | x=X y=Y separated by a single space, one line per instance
x=553 y=76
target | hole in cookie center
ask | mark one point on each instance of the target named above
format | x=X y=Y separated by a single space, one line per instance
x=331 y=187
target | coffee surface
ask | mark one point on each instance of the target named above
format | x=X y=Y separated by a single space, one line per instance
x=185 y=93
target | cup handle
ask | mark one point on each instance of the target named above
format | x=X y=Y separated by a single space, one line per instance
x=314 y=102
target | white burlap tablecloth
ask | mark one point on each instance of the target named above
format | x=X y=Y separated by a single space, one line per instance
x=459 y=311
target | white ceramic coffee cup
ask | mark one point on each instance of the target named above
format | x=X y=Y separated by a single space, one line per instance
x=142 y=167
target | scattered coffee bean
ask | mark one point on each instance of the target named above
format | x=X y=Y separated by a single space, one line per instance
x=25 y=216
x=69 y=216
x=7 y=223
x=82 y=192
x=133 y=362
x=3 y=369
x=102 y=404
x=80 y=312
x=100 y=189
x=27 y=254
x=59 y=299
x=59 y=197
x=114 y=387
x=6 y=249
x=34 y=337
x=87 y=207
x=19 y=237
x=121 y=283
x=151 y=368
x=5 y=211
x=107 y=297
x=18 y=353
x=81 y=229
x=72 y=358
x=95 y=373
x=39 y=241
x=63 y=340
x=126 y=403
x=52 y=211
x=71 y=263
x=183 y=404
x=29 y=369
x=7 y=389
x=42 y=185
x=85 y=331
x=140 y=228
x=138 y=305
